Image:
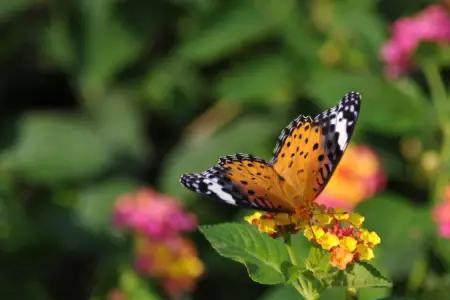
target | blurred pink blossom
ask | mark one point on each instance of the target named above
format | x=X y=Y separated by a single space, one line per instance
x=155 y=215
x=441 y=215
x=430 y=25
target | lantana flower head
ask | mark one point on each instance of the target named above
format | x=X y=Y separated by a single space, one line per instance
x=173 y=261
x=334 y=230
x=430 y=25
x=441 y=214
x=153 y=214
x=358 y=176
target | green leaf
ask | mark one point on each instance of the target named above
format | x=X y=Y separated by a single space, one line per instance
x=385 y=108
x=318 y=262
x=135 y=287
x=11 y=7
x=226 y=32
x=265 y=258
x=94 y=208
x=361 y=275
x=280 y=292
x=264 y=78
x=404 y=234
x=121 y=125
x=109 y=46
x=54 y=147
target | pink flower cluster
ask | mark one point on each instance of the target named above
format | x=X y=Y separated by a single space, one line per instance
x=430 y=25
x=441 y=215
x=152 y=214
x=161 y=252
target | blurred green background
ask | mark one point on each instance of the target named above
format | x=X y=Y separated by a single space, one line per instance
x=98 y=97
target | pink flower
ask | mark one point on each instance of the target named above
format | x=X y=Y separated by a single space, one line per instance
x=441 y=214
x=358 y=176
x=430 y=25
x=153 y=214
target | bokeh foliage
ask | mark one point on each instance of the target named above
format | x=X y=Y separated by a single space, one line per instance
x=99 y=97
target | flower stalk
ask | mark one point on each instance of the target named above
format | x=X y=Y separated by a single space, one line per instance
x=441 y=105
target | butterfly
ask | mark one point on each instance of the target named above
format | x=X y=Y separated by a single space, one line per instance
x=307 y=152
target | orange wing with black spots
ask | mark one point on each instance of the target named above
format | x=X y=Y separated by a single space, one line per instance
x=307 y=153
x=308 y=150
x=300 y=155
x=243 y=180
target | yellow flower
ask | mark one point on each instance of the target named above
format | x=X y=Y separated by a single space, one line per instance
x=251 y=219
x=340 y=258
x=365 y=253
x=323 y=219
x=313 y=232
x=283 y=219
x=328 y=241
x=356 y=219
x=340 y=214
x=267 y=225
x=370 y=237
x=349 y=243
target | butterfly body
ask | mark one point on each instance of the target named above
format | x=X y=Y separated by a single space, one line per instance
x=305 y=156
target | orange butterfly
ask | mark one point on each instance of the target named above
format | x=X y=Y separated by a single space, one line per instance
x=306 y=155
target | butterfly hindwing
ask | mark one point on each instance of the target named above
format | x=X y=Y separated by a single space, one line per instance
x=338 y=124
x=242 y=180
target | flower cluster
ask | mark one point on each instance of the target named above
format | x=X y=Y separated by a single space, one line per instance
x=175 y=260
x=430 y=25
x=334 y=230
x=152 y=214
x=157 y=222
x=358 y=176
x=341 y=234
x=441 y=215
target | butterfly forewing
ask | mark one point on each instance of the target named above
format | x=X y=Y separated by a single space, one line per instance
x=243 y=180
x=308 y=150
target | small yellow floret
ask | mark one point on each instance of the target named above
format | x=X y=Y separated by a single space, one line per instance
x=365 y=253
x=253 y=217
x=267 y=225
x=356 y=219
x=323 y=219
x=328 y=241
x=370 y=237
x=313 y=232
x=340 y=214
x=349 y=243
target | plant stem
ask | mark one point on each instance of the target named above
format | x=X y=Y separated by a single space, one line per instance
x=441 y=106
x=303 y=286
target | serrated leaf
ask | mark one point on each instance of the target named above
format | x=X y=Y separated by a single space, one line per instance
x=361 y=275
x=265 y=258
x=318 y=262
